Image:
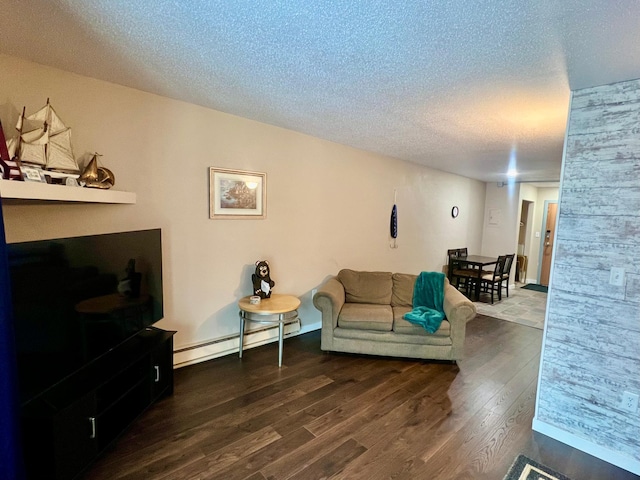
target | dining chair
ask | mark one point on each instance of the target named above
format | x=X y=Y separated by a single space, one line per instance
x=452 y=255
x=459 y=275
x=506 y=271
x=492 y=281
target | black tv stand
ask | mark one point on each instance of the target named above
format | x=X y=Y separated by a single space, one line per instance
x=66 y=427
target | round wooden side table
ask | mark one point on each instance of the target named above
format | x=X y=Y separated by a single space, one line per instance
x=276 y=309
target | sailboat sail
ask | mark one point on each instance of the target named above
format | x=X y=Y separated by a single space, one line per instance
x=12 y=147
x=60 y=156
x=49 y=116
x=48 y=144
x=32 y=148
x=33 y=153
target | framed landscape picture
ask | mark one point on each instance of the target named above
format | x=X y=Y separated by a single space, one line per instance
x=237 y=194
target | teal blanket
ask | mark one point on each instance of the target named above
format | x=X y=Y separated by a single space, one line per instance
x=428 y=299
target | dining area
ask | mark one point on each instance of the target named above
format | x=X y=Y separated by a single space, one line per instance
x=474 y=274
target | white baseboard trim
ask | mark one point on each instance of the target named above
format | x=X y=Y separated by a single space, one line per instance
x=598 y=451
x=220 y=347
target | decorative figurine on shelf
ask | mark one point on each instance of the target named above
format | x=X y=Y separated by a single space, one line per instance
x=94 y=176
x=129 y=286
x=262 y=283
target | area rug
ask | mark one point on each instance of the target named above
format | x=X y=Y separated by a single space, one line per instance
x=536 y=287
x=523 y=306
x=523 y=468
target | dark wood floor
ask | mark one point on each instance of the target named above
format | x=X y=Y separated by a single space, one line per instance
x=351 y=417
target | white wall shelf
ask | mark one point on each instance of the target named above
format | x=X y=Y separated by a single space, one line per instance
x=11 y=189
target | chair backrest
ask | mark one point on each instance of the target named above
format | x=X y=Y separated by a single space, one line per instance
x=452 y=259
x=456 y=252
x=507 y=264
x=499 y=268
x=452 y=253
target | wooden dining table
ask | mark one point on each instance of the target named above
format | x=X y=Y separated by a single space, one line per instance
x=477 y=262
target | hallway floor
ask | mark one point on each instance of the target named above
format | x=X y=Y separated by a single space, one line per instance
x=526 y=307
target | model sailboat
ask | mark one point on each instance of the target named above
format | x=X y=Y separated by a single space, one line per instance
x=47 y=145
x=9 y=168
x=94 y=176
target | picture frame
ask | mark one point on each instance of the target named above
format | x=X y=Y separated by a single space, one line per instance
x=237 y=194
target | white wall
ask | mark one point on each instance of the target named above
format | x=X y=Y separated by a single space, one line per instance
x=501 y=220
x=328 y=205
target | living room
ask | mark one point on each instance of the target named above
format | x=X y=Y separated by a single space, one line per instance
x=327 y=208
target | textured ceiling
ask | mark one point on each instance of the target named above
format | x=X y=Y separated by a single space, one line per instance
x=462 y=86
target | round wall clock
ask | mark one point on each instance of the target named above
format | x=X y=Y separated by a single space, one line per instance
x=455 y=211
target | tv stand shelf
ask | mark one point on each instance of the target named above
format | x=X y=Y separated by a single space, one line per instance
x=21 y=191
x=66 y=427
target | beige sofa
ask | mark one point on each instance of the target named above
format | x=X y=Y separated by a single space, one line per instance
x=362 y=313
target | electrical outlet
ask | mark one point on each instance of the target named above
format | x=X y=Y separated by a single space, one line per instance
x=617 y=276
x=629 y=402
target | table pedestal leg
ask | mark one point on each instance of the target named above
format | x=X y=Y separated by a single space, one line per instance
x=280 y=338
x=241 y=332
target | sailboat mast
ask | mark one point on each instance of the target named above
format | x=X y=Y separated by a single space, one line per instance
x=47 y=117
x=45 y=126
x=20 y=127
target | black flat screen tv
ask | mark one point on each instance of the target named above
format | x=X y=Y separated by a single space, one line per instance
x=75 y=299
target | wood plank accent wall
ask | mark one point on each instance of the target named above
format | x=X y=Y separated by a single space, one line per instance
x=591 y=352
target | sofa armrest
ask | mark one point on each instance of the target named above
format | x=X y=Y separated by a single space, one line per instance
x=459 y=310
x=329 y=299
x=457 y=307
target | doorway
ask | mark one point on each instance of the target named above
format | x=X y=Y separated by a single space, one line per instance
x=548 y=239
x=524 y=234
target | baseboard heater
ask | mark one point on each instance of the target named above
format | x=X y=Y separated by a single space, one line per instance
x=219 y=347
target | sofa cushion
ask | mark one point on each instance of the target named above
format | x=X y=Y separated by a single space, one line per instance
x=402 y=294
x=390 y=343
x=366 y=287
x=363 y=316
